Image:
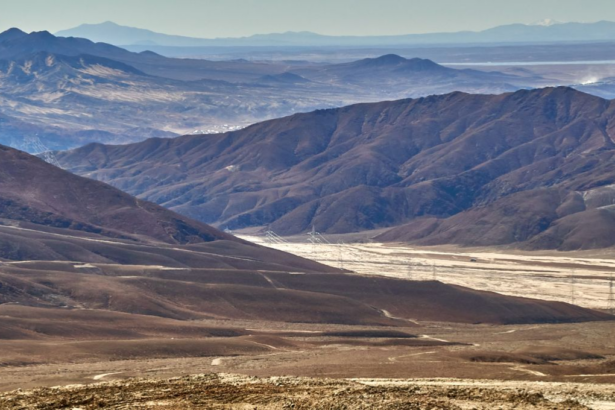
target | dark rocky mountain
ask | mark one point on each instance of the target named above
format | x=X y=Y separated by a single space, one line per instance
x=11 y=34
x=15 y=45
x=530 y=168
x=42 y=65
x=67 y=92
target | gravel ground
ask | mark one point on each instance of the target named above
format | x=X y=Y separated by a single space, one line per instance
x=225 y=391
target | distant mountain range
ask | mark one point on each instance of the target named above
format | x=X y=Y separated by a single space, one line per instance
x=530 y=168
x=59 y=93
x=112 y=33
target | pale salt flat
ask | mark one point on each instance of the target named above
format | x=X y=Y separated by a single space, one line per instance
x=580 y=280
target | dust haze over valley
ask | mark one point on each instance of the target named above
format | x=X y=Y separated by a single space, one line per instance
x=302 y=219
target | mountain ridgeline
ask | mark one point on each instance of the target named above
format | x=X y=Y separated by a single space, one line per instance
x=548 y=31
x=531 y=169
x=67 y=92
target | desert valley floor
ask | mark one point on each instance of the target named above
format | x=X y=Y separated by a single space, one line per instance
x=581 y=278
x=425 y=364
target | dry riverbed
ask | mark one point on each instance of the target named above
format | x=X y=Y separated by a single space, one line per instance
x=575 y=278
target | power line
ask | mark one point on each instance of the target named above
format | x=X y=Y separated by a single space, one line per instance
x=611 y=300
x=572 y=287
x=316 y=238
x=313 y=238
x=274 y=238
x=32 y=143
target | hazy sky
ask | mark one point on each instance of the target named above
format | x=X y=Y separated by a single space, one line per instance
x=233 y=18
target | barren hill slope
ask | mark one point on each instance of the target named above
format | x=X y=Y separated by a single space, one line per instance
x=47 y=213
x=250 y=292
x=35 y=192
x=532 y=167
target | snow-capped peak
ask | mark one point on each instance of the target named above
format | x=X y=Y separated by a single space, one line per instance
x=546 y=23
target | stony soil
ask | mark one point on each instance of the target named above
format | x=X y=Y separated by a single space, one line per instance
x=224 y=391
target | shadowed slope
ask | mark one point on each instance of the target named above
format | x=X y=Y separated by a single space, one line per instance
x=268 y=295
x=36 y=192
x=505 y=168
x=47 y=213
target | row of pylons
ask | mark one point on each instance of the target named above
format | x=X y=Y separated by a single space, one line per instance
x=610 y=304
x=315 y=238
x=611 y=299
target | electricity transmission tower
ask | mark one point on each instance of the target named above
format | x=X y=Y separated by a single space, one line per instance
x=611 y=300
x=34 y=144
x=572 y=287
x=316 y=238
x=434 y=274
x=313 y=238
x=273 y=238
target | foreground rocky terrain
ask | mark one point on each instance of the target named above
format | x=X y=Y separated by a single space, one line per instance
x=240 y=392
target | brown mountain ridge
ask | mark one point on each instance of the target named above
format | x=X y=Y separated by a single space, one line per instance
x=534 y=168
